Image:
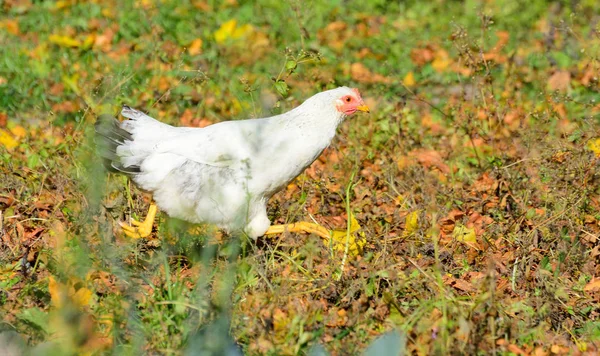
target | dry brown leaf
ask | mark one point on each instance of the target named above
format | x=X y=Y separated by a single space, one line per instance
x=516 y=349
x=459 y=284
x=334 y=35
x=361 y=73
x=494 y=54
x=431 y=158
x=560 y=81
x=422 y=56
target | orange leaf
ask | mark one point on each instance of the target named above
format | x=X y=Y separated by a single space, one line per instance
x=11 y=26
x=55 y=293
x=19 y=131
x=361 y=73
x=593 y=285
x=195 y=47
x=560 y=80
x=431 y=158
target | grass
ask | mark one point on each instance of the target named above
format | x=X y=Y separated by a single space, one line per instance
x=474 y=178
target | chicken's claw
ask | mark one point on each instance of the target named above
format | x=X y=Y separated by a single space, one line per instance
x=338 y=238
x=141 y=229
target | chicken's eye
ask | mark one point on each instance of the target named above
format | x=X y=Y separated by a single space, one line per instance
x=348 y=99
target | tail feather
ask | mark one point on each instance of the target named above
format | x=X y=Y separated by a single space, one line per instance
x=109 y=136
x=124 y=146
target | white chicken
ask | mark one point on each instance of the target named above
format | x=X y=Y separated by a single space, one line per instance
x=223 y=174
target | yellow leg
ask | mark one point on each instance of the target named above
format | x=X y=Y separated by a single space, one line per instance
x=141 y=229
x=339 y=237
x=302 y=226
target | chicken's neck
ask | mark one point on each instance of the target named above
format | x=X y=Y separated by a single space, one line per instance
x=313 y=123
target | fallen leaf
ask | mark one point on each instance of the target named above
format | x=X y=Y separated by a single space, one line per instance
x=593 y=285
x=19 y=131
x=230 y=30
x=494 y=54
x=7 y=140
x=412 y=223
x=356 y=240
x=592 y=145
x=421 y=56
x=61 y=293
x=361 y=73
x=82 y=297
x=11 y=26
x=466 y=235
x=441 y=61
x=516 y=350
x=409 y=80
x=195 y=47
x=55 y=292
x=431 y=158
x=560 y=80
x=459 y=284
x=334 y=35
x=62 y=4
x=64 y=41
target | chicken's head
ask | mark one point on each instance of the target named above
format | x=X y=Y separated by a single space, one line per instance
x=351 y=102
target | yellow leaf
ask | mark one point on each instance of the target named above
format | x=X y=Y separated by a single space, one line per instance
x=229 y=30
x=59 y=293
x=64 y=41
x=409 y=79
x=89 y=41
x=241 y=31
x=55 y=293
x=441 y=61
x=82 y=297
x=195 y=47
x=465 y=235
x=356 y=239
x=225 y=31
x=594 y=146
x=412 y=223
x=440 y=64
x=7 y=140
x=108 y=12
x=61 y=4
x=19 y=131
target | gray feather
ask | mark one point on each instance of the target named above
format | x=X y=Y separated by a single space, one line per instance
x=109 y=136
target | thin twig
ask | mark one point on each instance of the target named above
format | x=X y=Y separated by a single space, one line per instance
x=348 y=222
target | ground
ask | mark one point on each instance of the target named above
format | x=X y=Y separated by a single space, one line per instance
x=474 y=179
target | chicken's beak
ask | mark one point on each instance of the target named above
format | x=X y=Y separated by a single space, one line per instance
x=363 y=108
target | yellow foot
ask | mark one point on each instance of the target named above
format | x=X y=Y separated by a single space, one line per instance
x=339 y=238
x=140 y=229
